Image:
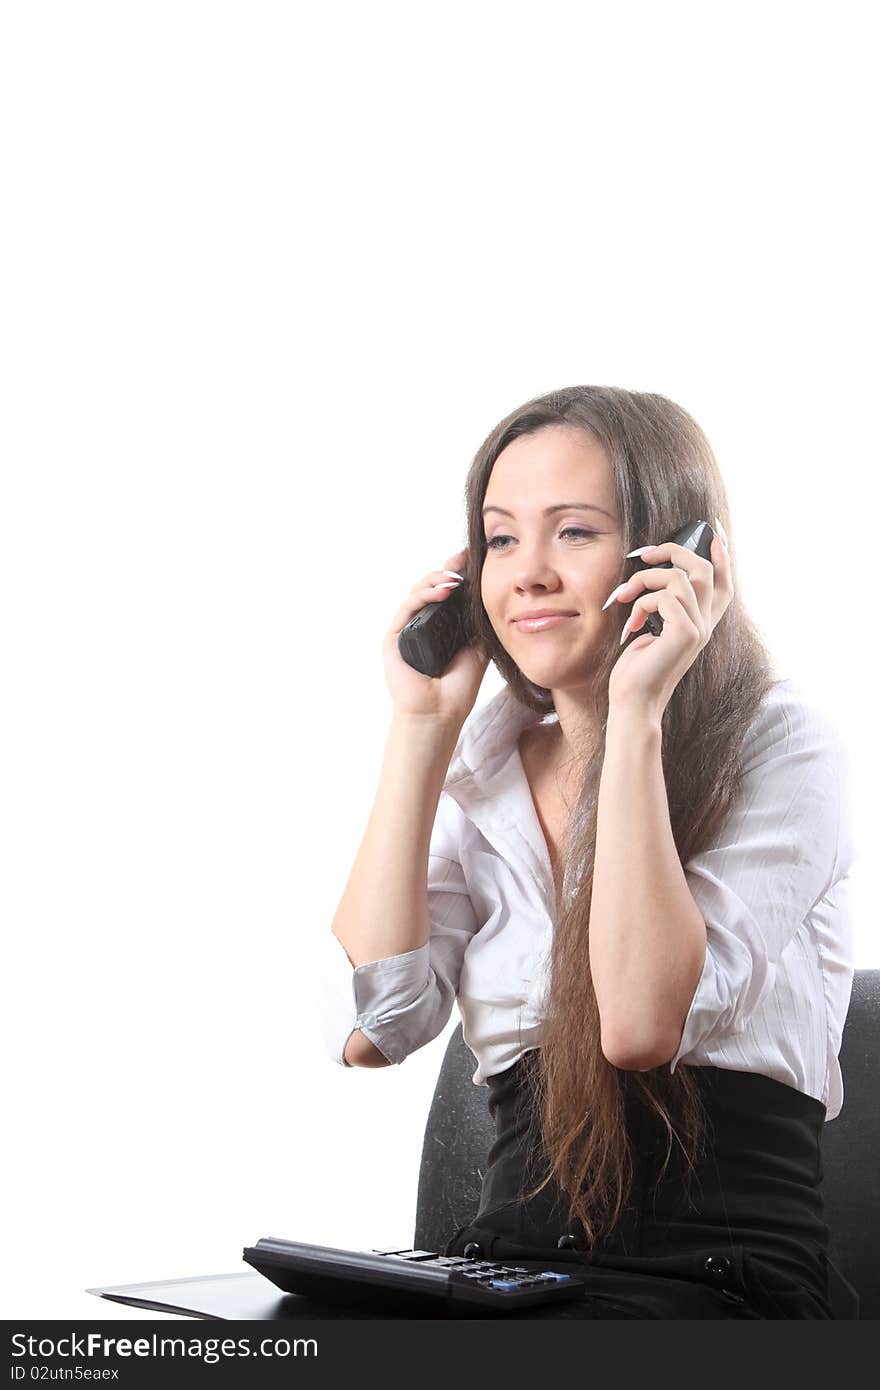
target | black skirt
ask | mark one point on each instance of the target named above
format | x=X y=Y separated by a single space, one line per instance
x=742 y=1236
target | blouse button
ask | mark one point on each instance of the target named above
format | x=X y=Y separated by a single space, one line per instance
x=472 y=1250
x=568 y=1242
x=717 y=1267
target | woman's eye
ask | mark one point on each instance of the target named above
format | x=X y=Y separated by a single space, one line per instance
x=566 y=531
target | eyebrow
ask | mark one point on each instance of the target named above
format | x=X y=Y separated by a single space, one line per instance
x=560 y=507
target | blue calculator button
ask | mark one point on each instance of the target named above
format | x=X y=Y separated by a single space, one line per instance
x=503 y=1284
x=551 y=1274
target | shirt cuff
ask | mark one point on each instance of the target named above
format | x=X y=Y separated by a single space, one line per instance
x=369 y=997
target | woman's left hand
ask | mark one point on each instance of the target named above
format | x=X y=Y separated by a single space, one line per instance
x=690 y=599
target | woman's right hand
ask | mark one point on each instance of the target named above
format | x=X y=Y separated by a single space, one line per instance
x=448 y=698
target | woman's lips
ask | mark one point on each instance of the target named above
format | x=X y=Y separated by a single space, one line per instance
x=539 y=624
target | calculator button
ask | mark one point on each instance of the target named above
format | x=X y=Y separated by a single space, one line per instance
x=505 y=1284
x=552 y=1275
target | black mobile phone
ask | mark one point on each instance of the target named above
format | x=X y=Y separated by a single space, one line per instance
x=431 y=638
x=696 y=536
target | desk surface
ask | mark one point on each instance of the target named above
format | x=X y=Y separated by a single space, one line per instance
x=248 y=1295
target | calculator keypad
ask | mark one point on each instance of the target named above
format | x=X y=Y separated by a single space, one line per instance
x=490 y=1273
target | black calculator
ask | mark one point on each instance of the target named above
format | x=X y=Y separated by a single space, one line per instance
x=384 y=1276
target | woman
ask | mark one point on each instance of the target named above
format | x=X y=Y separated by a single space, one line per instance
x=636 y=859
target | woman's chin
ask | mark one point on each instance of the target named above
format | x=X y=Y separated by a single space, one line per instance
x=554 y=675
x=548 y=678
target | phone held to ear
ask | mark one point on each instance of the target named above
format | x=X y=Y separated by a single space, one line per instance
x=696 y=536
x=431 y=639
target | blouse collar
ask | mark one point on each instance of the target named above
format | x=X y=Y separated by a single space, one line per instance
x=487 y=780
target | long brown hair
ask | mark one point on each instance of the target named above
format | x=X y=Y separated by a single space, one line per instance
x=665 y=474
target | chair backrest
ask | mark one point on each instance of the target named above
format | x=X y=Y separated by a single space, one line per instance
x=459 y=1134
x=851 y=1150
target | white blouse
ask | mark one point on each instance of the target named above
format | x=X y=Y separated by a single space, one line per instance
x=773 y=891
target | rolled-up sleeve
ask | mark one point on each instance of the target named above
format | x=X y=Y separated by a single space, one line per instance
x=780 y=850
x=403 y=1002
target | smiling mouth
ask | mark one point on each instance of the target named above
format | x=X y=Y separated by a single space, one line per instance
x=539 y=624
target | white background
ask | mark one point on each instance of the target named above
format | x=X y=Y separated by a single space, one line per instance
x=271 y=272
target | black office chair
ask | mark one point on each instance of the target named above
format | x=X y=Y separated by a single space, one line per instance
x=459 y=1133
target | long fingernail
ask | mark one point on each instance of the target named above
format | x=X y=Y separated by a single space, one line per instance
x=641 y=548
x=451 y=585
x=613 y=595
x=625 y=633
x=452 y=574
x=722 y=533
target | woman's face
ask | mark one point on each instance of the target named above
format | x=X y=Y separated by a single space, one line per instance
x=569 y=559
